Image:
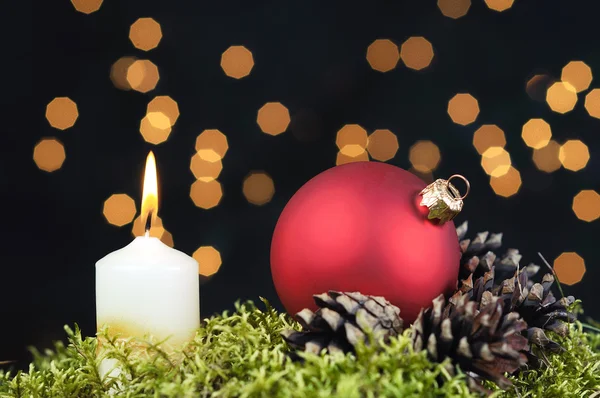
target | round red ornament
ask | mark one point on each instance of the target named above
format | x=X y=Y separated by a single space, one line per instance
x=361 y=227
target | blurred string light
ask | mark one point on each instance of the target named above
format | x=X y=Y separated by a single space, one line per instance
x=206 y=194
x=352 y=140
x=416 y=53
x=118 y=72
x=536 y=133
x=507 y=184
x=237 y=62
x=119 y=209
x=258 y=188
x=166 y=105
x=205 y=170
x=49 y=154
x=142 y=75
x=156 y=229
x=145 y=34
x=463 y=109
x=592 y=103
x=499 y=5
x=496 y=161
x=574 y=155
x=578 y=75
x=343 y=159
x=62 y=113
x=569 y=267
x=561 y=97
x=87 y=6
x=546 y=158
x=454 y=8
x=382 y=145
x=538 y=85
x=424 y=156
x=383 y=55
x=155 y=127
x=211 y=145
x=586 y=205
x=488 y=135
x=209 y=260
x=273 y=118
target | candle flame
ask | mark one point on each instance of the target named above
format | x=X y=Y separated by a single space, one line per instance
x=150 y=194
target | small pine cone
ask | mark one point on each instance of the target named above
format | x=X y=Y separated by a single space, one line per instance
x=342 y=320
x=485 y=343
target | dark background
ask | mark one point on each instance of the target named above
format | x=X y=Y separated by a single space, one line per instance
x=310 y=55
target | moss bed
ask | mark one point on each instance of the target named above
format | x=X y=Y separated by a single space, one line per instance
x=242 y=354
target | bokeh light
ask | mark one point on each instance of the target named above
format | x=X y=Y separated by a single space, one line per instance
x=273 y=118
x=155 y=127
x=209 y=260
x=424 y=156
x=382 y=145
x=383 y=55
x=206 y=194
x=463 y=109
x=586 y=205
x=487 y=136
x=352 y=140
x=119 y=209
x=258 y=188
x=167 y=238
x=62 y=113
x=166 y=105
x=454 y=8
x=496 y=161
x=546 y=158
x=425 y=176
x=145 y=34
x=569 y=268
x=156 y=229
x=212 y=145
x=499 y=5
x=592 y=103
x=578 y=74
x=49 y=154
x=87 y=6
x=574 y=155
x=416 y=53
x=205 y=170
x=561 y=97
x=142 y=75
x=538 y=85
x=536 y=133
x=118 y=72
x=237 y=62
x=508 y=184
x=343 y=159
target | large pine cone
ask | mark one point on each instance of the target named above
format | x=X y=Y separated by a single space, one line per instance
x=342 y=320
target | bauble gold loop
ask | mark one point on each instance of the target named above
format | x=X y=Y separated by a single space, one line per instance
x=466 y=183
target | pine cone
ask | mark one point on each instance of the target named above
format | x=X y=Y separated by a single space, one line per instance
x=484 y=342
x=342 y=320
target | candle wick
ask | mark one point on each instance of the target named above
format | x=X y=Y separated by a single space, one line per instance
x=148 y=224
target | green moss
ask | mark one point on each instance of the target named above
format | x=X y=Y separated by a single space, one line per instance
x=242 y=355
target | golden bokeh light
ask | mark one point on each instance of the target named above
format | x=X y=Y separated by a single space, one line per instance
x=416 y=53
x=145 y=34
x=578 y=74
x=496 y=161
x=87 y=6
x=537 y=86
x=155 y=127
x=156 y=229
x=166 y=105
x=499 y=5
x=586 y=205
x=383 y=55
x=536 y=133
x=167 y=238
x=343 y=159
x=352 y=140
x=592 y=103
x=273 y=118
x=237 y=62
x=206 y=194
x=454 y=8
x=258 y=188
x=425 y=176
x=205 y=170
x=142 y=75
x=508 y=184
x=62 y=113
x=118 y=72
x=49 y=154
x=569 y=268
x=574 y=155
x=561 y=97
x=119 y=209
x=424 y=156
x=382 y=145
x=487 y=136
x=209 y=260
x=546 y=158
x=463 y=109
x=212 y=145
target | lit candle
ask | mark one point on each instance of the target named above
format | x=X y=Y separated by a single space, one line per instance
x=147 y=288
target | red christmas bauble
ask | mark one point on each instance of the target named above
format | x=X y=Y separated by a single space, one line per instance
x=360 y=227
